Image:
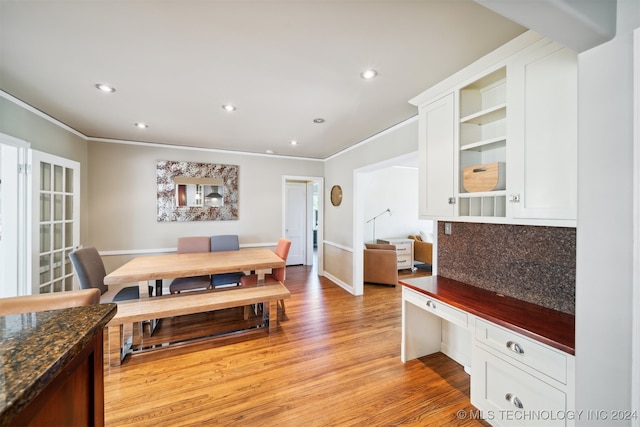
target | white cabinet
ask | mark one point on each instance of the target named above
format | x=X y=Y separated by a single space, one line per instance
x=436 y=148
x=404 y=251
x=483 y=140
x=520 y=112
x=518 y=381
x=542 y=133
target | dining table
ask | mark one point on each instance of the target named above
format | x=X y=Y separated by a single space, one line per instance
x=143 y=269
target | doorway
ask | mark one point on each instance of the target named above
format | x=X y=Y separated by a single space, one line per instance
x=302 y=219
x=360 y=235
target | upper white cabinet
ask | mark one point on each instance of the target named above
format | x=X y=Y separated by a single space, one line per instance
x=498 y=140
x=436 y=166
x=483 y=141
x=542 y=132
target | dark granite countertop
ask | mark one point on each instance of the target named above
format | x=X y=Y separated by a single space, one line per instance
x=35 y=347
x=551 y=327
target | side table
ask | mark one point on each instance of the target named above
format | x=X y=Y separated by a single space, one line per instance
x=404 y=249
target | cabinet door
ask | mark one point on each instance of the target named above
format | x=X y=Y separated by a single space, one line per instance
x=509 y=396
x=436 y=149
x=542 y=133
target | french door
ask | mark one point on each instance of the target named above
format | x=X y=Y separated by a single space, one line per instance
x=56 y=221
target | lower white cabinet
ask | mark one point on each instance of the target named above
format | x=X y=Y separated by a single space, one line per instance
x=517 y=381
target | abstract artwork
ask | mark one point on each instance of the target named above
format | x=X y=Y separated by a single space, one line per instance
x=190 y=191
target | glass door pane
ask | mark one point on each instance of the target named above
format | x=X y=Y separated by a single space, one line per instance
x=58 y=204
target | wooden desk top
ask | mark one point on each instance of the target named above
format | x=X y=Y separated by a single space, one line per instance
x=548 y=326
x=194 y=264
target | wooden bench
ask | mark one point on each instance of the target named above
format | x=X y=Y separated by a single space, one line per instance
x=138 y=311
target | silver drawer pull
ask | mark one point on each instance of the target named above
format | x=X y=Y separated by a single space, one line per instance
x=513 y=399
x=401 y=249
x=400 y=261
x=515 y=347
x=431 y=304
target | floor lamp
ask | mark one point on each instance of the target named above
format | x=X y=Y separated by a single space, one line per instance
x=374 y=222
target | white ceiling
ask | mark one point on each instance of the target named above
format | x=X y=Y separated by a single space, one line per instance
x=282 y=63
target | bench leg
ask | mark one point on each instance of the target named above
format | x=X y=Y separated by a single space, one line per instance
x=137 y=335
x=115 y=350
x=272 y=313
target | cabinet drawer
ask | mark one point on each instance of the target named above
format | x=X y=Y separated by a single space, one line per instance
x=404 y=261
x=403 y=248
x=437 y=307
x=548 y=361
x=510 y=396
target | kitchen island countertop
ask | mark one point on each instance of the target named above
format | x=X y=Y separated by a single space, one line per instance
x=36 y=347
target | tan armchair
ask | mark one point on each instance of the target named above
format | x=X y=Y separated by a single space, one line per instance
x=380 y=264
x=422 y=251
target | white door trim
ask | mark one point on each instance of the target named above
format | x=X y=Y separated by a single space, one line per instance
x=635 y=327
x=18 y=235
x=320 y=182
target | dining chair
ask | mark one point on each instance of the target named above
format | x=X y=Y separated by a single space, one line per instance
x=277 y=274
x=225 y=242
x=188 y=245
x=91 y=273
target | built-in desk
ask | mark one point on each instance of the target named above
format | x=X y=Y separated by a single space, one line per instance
x=51 y=366
x=522 y=355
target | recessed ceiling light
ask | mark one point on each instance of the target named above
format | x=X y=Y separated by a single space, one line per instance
x=105 y=87
x=269 y=151
x=368 y=74
x=293 y=142
x=318 y=120
x=229 y=107
x=141 y=125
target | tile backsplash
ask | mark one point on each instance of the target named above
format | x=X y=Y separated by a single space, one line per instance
x=531 y=263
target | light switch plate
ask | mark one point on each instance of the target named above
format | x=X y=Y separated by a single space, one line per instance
x=447 y=228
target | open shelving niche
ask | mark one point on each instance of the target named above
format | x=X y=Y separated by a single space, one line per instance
x=483 y=139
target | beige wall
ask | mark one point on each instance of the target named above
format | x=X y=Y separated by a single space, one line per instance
x=122 y=198
x=49 y=137
x=338 y=232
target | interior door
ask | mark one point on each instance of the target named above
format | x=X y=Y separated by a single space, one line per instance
x=56 y=221
x=296 y=221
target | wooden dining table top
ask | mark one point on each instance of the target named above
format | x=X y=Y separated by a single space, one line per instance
x=169 y=266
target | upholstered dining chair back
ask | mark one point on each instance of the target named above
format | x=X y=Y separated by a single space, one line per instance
x=277 y=274
x=282 y=250
x=188 y=245
x=91 y=273
x=225 y=242
x=89 y=268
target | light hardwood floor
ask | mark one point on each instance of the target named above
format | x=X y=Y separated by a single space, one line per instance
x=334 y=361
